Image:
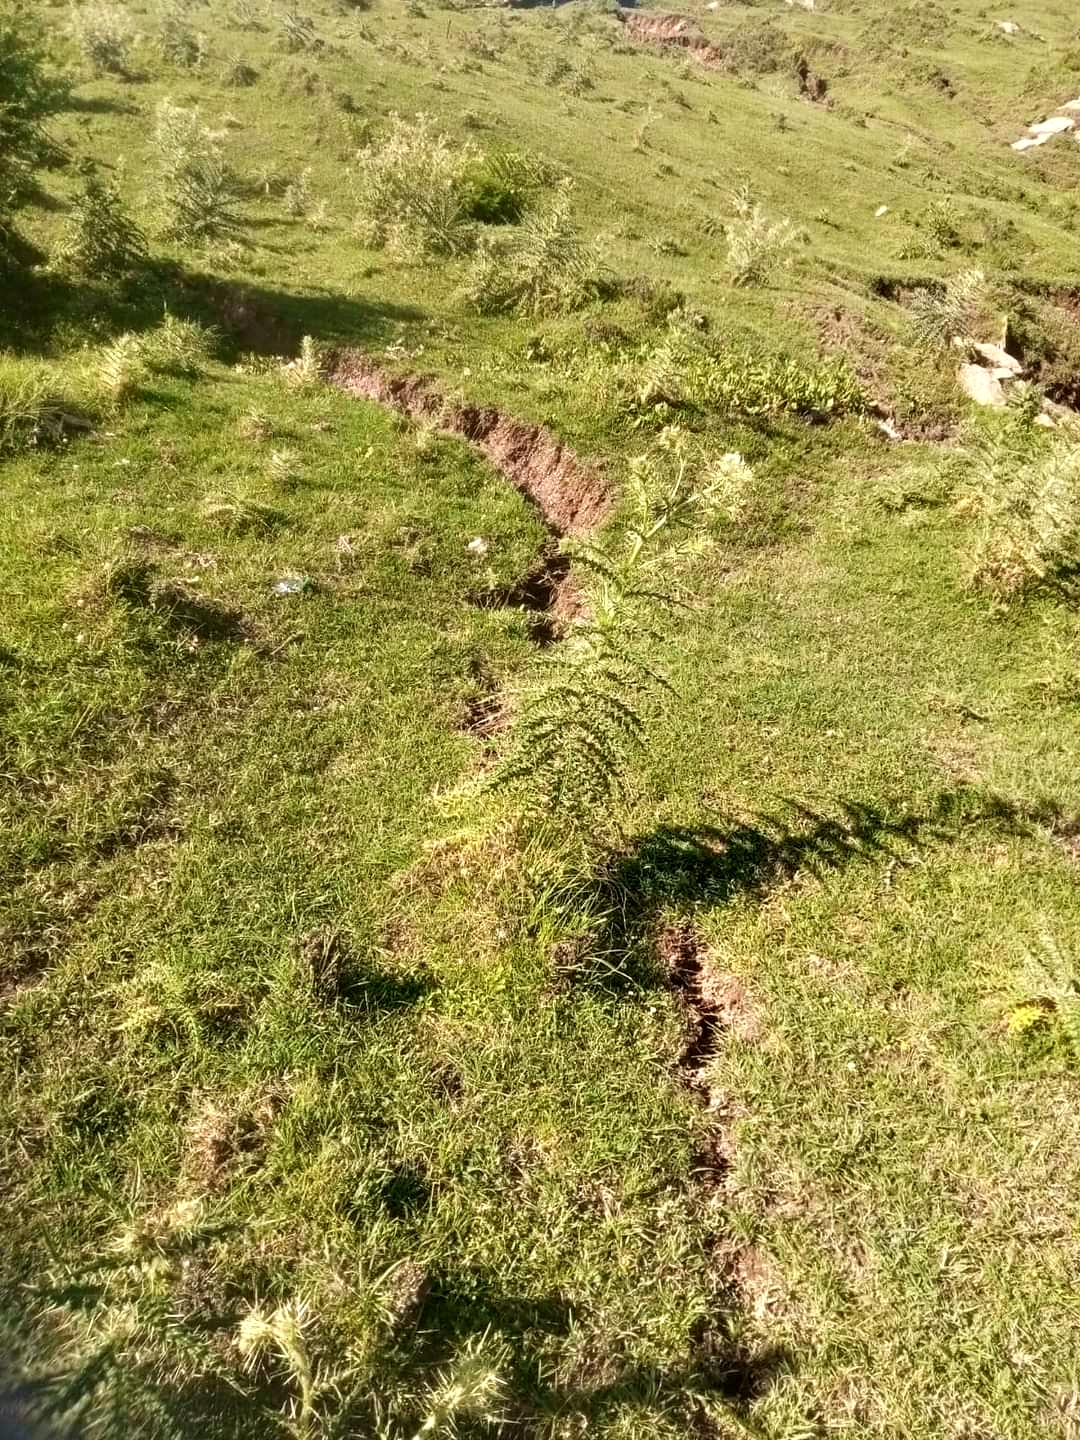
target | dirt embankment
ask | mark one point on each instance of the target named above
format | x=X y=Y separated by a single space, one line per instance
x=672 y=30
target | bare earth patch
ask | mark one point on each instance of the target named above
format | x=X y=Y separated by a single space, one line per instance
x=673 y=30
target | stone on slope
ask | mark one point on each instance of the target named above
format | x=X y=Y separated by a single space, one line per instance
x=997 y=357
x=981 y=386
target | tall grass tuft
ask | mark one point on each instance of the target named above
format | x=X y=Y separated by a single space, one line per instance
x=1025 y=494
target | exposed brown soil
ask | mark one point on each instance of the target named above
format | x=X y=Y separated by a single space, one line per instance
x=681 y=954
x=219 y=1140
x=550 y=595
x=812 y=86
x=571 y=497
x=483 y=715
x=673 y=30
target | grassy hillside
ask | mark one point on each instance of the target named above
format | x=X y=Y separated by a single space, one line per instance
x=599 y=430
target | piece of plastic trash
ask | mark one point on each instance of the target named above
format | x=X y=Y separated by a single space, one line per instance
x=292 y=585
x=479 y=546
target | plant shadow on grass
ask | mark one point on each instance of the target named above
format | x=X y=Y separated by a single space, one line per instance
x=249 y=317
x=457 y=1309
x=687 y=869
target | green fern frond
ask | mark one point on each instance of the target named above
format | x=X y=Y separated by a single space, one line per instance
x=580 y=727
x=1051 y=976
x=120 y=368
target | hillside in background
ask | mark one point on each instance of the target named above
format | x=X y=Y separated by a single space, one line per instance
x=540 y=719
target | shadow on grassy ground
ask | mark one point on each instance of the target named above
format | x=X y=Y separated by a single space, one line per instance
x=46 y=308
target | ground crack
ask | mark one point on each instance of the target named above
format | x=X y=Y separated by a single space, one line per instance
x=570 y=496
x=681 y=954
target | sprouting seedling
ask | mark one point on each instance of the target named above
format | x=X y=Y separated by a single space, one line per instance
x=281 y=1332
x=468 y=1388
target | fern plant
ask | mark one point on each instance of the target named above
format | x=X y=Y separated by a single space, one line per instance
x=579 y=729
x=1049 y=990
x=101 y=238
x=196 y=190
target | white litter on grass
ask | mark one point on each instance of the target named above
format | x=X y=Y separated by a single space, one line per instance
x=888 y=428
x=1044 y=130
x=1009 y=27
x=478 y=546
x=880 y=211
x=1056 y=125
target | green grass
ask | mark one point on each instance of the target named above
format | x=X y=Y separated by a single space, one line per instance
x=293 y=1018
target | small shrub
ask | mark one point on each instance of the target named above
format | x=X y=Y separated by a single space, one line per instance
x=756 y=245
x=1026 y=496
x=103 y=34
x=101 y=237
x=298 y=33
x=239 y=514
x=756 y=48
x=578 y=730
x=29 y=93
x=255 y=426
x=942 y=223
x=956 y=309
x=1048 y=991
x=180 y=45
x=546 y=269
x=503 y=186
x=306 y=371
x=689 y=369
x=197 y=191
x=410 y=190
x=239 y=74
x=286 y=468
x=297 y=196
x=178 y=347
x=246 y=15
